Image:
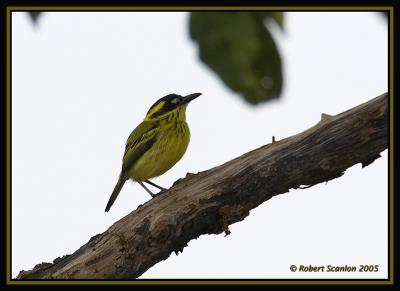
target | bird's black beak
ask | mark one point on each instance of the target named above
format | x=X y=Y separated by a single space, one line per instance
x=190 y=97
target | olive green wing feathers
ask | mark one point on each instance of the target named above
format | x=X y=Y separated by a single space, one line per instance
x=139 y=141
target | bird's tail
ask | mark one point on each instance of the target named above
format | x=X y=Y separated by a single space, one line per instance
x=115 y=193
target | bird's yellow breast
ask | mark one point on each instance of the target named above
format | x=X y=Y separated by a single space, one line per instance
x=169 y=148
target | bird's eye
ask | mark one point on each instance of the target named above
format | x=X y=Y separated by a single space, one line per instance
x=175 y=100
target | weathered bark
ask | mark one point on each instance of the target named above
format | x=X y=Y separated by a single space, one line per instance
x=207 y=202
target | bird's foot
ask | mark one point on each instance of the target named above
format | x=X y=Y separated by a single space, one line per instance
x=159 y=193
x=155 y=185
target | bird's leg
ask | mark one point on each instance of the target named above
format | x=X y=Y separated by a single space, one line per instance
x=155 y=185
x=145 y=188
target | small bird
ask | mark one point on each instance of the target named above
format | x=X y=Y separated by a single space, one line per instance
x=156 y=144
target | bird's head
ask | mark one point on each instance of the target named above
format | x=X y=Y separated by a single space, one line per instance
x=170 y=105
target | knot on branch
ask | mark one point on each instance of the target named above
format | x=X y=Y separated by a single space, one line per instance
x=161 y=229
x=325 y=116
x=232 y=213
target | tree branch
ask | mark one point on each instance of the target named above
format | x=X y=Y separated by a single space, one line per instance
x=208 y=202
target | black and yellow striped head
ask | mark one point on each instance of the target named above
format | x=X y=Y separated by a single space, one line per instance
x=170 y=105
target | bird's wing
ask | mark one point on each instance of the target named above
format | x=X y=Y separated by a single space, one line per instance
x=140 y=140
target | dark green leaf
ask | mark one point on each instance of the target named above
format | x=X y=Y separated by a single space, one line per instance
x=34 y=16
x=274 y=15
x=240 y=49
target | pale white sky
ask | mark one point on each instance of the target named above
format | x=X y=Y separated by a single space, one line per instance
x=82 y=81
